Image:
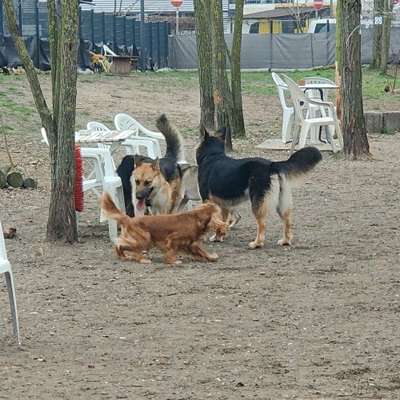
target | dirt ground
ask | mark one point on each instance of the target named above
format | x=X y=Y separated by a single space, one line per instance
x=319 y=320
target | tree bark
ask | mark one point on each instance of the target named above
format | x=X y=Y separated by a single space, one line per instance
x=204 y=52
x=238 y=127
x=386 y=30
x=62 y=216
x=222 y=94
x=377 y=35
x=349 y=74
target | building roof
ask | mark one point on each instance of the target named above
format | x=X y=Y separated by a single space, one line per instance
x=281 y=12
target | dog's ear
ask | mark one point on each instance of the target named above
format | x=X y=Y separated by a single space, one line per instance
x=156 y=165
x=204 y=133
x=221 y=133
x=139 y=160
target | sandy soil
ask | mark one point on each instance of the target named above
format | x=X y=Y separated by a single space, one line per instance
x=316 y=321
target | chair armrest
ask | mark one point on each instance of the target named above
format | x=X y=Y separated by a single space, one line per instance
x=320 y=103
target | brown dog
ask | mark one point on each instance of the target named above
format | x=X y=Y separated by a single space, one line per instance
x=171 y=233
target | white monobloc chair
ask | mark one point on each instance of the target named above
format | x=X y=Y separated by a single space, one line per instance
x=5 y=268
x=124 y=122
x=303 y=125
x=101 y=178
x=288 y=112
x=317 y=94
x=133 y=144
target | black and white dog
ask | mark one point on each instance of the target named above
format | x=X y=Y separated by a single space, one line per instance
x=267 y=184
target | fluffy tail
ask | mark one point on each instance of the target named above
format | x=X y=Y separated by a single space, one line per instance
x=111 y=210
x=172 y=137
x=299 y=163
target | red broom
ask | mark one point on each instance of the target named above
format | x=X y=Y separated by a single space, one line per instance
x=78 y=192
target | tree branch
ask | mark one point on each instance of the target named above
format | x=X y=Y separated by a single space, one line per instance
x=40 y=101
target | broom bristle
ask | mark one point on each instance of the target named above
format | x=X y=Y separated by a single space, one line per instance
x=78 y=192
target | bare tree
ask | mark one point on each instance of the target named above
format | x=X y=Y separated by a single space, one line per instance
x=204 y=51
x=60 y=123
x=349 y=77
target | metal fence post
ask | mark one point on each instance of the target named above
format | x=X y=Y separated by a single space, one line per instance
x=104 y=27
x=327 y=43
x=133 y=33
x=271 y=44
x=1 y=19
x=92 y=27
x=20 y=21
x=114 y=33
x=80 y=23
x=124 y=31
x=312 y=48
x=37 y=33
x=158 y=44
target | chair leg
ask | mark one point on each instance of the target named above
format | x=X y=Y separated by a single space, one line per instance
x=13 y=304
x=305 y=128
x=296 y=134
x=287 y=127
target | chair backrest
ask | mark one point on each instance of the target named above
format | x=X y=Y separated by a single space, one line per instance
x=315 y=93
x=97 y=126
x=298 y=97
x=124 y=122
x=281 y=86
x=3 y=252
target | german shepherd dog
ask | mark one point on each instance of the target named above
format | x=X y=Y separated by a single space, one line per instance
x=172 y=234
x=160 y=184
x=228 y=182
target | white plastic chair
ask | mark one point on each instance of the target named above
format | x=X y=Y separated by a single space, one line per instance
x=102 y=178
x=124 y=122
x=5 y=268
x=132 y=145
x=316 y=93
x=288 y=112
x=304 y=125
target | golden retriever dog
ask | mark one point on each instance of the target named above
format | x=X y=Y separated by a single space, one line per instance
x=173 y=233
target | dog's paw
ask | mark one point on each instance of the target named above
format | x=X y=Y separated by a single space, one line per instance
x=255 y=244
x=216 y=238
x=284 y=242
x=145 y=261
x=213 y=257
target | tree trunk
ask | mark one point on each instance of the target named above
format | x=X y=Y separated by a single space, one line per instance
x=238 y=127
x=62 y=216
x=349 y=74
x=204 y=53
x=222 y=94
x=377 y=35
x=386 y=30
x=61 y=126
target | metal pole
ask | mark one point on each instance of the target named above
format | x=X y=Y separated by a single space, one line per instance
x=1 y=19
x=37 y=56
x=177 y=21
x=92 y=28
x=142 y=62
x=20 y=16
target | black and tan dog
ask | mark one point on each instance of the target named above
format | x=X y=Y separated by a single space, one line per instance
x=228 y=182
x=160 y=185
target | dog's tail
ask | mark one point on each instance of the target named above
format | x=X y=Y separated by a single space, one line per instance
x=298 y=164
x=172 y=137
x=111 y=209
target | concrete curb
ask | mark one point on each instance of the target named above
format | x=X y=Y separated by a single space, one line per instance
x=382 y=121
